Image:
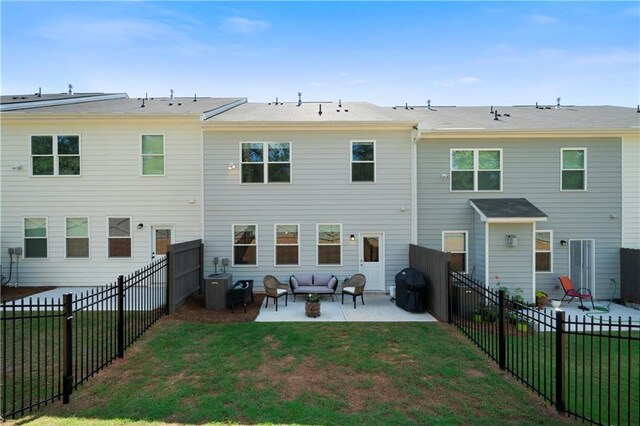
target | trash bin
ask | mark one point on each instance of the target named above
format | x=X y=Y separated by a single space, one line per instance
x=215 y=290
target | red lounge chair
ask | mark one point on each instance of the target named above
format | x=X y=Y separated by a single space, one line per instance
x=581 y=293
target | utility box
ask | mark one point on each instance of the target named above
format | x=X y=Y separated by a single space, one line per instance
x=215 y=290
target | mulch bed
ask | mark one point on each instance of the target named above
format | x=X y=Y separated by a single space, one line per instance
x=8 y=294
x=193 y=310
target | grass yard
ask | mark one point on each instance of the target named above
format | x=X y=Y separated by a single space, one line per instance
x=292 y=373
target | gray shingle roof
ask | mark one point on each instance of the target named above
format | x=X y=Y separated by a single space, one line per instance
x=507 y=208
x=15 y=99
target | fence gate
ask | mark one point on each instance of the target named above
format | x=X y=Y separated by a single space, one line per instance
x=185 y=273
x=434 y=264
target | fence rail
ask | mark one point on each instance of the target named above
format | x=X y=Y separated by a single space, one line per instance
x=587 y=368
x=50 y=347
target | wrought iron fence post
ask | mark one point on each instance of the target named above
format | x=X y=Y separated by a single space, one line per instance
x=559 y=361
x=67 y=354
x=171 y=307
x=502 y=343
x=121 y=316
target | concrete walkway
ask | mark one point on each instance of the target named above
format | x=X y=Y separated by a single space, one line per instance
x=377 y=308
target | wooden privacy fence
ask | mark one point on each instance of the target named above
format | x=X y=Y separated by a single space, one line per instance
x=630 y=273
x=185 y=273
x=434 y=264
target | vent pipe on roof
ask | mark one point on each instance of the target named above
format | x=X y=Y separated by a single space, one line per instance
x=491 y=112
x=495 y=115
x=71 y=89
x=39 y=94
x=558 y=106
x=171 y=97
x=143 y=105
x=195 y=98
x=299 y=99
x=537 y=107
x=320 y=110
x=339 y=103
x=638 y=110
x=146 y=96
x=429 y=105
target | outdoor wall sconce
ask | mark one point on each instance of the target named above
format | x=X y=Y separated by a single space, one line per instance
x=352 y=237
x=231 y=166
x=511 y=241
x=444 y=176
x=564 y=243
x=140 y=226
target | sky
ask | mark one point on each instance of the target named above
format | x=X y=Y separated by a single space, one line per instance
x=388 y=53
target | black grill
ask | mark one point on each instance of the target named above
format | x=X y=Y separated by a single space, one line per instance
x=411 y=290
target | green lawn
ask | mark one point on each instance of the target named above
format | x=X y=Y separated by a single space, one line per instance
x=290 y=373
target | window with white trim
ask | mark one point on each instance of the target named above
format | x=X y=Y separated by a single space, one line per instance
x=245 y=245
x=287 y=245
x=329 y=244
x=363 y=161
x=55 y=155
x=35 y=237
x=544 y=251
x=77 y=237
x=574 y=169
x=476 y=169
x=152 y=155
x=119 y=236
x=265 y=162
x=456 y=243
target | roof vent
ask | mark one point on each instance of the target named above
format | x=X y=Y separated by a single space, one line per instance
x=429 y=105
x=39 y=92
x=339 y=103
x=495 y=115
x=558 y=106
x=146 y=96
x=299 y=99
x=319 y=109
x=195 y=98
x=406 y=106
x=71 y=89
x=171 y=98
x=491 y=112
x=638 y=109
x=143 y=105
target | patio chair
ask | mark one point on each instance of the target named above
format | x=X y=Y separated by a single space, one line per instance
x=354 y=287
x=274 y=289
x=581 y=293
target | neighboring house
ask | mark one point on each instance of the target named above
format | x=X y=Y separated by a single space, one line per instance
x=309 y=187
x=94 y=184
x=562 y=181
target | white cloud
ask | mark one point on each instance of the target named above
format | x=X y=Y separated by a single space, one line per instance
x=237 y=25
x=468 y=80
x=356 y=81
x=544 y=20
x=315 y=84
x=111 y=30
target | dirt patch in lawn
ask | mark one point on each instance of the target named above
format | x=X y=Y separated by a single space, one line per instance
x=8 y=294
x=193 y=310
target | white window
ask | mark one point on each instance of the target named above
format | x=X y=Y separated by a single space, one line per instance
x=363 y=161
x=119 y=236
x=55 y=155
x=35 y=237
x=476 y=170
x=455 y=242
x=152 y=153
x=265 y=162
x=329 y=244
x=544 y=251
x=77 y=237
x=245 y=245
x=574 y=169
x=287 y=245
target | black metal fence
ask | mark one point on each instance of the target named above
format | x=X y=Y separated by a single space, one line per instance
x=51 y=347
x=588 y=368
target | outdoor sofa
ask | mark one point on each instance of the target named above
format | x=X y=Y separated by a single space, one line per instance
x=313 y=283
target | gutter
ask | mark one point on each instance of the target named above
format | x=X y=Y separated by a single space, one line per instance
x=56 y=102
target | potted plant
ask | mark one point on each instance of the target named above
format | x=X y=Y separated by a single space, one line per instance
x=541 y=299
x=522 y=325
x=312 y=305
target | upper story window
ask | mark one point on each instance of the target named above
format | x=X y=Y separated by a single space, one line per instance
x=245 y=245
x=55 y=155
x=77 y=235
x=35 y=237
x=152 y=152
x=544 y=251
x=363 y=161
x=287 y=245
x=574 y=169
x=329 y=244
x=119 y=236
x=455 y=242
x=265 y=162
x=476 y=170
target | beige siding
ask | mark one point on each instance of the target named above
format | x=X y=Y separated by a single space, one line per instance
x=320 y=192
x=110 y=185
x=631 y=192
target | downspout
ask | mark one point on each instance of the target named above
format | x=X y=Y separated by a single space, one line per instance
x=202 y=191
x=415 y=136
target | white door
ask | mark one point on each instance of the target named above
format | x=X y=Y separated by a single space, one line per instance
x=581 y=264
x=161 y=239
x=372 y=260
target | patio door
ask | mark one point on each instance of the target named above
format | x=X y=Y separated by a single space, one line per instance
x=161 y=239
x=582 y=264
x=372 y=260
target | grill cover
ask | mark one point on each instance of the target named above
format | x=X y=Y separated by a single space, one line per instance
x=411 y=290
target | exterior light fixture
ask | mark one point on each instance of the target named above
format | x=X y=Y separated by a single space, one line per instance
x=140 y=226
x=564 y=243
x=352 y=237
x=232 y=166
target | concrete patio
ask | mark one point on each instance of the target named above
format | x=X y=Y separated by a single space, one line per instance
x=377 y=308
